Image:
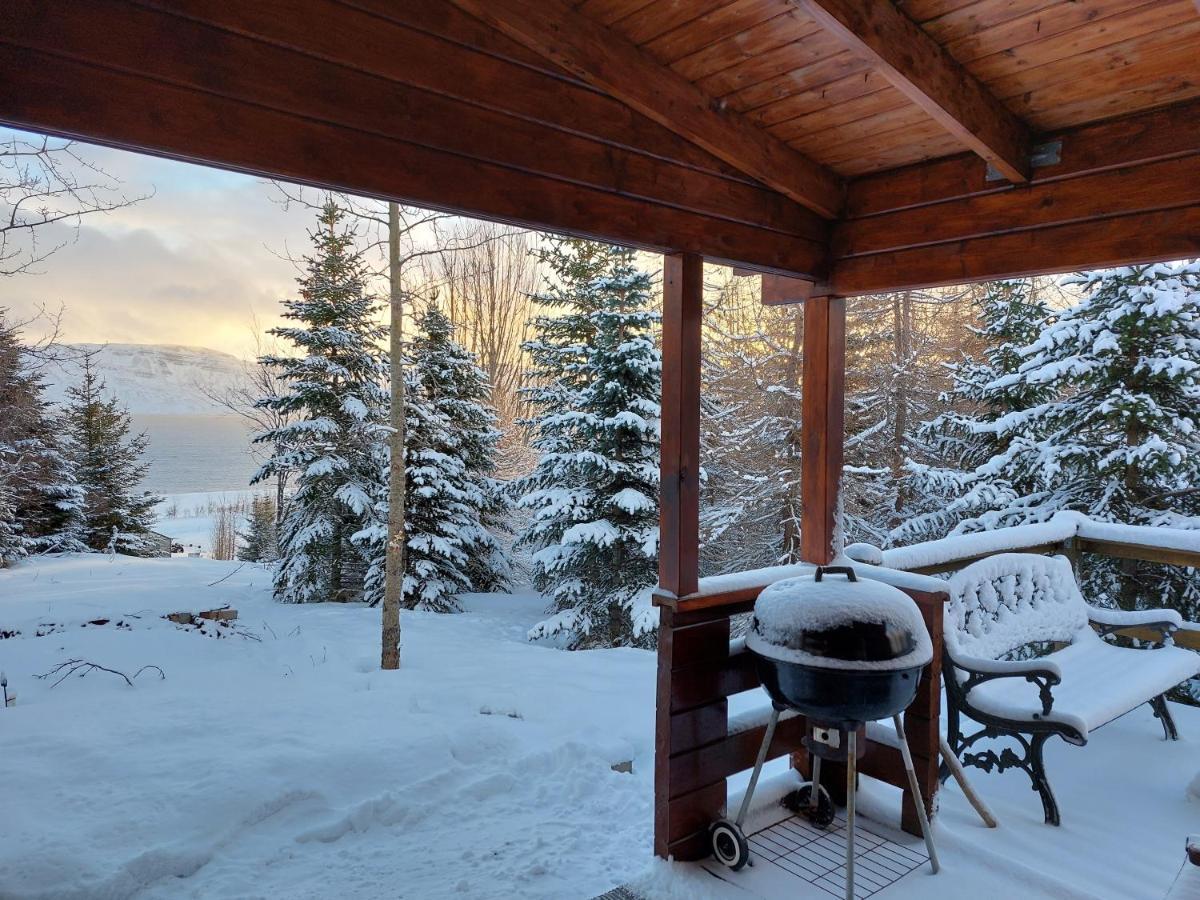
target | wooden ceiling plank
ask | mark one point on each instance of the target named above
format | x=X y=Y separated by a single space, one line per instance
x=794 y=93
x=612 y=64
x=659 y=18
x=919 y=66
x=734 y=17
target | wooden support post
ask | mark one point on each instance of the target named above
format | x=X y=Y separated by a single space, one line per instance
x=679 y=467
x=822 y=426
x=677 y=816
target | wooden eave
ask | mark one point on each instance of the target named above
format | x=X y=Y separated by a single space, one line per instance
x=860 y=146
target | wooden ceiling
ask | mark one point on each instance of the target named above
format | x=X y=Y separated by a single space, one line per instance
x=864 y=145
x=1053 y=63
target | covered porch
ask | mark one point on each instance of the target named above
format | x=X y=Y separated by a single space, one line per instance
x=833 y=148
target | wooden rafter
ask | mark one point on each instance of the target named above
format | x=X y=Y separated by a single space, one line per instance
x=928 y=75
x=610 y=62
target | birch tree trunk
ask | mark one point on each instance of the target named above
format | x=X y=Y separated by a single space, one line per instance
x=394 y=577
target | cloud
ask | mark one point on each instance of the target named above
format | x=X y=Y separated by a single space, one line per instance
x=192 y=265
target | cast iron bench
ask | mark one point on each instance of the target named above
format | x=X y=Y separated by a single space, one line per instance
x=1002 y=607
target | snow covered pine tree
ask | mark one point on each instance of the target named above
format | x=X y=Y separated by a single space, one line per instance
x=451 y=448
x=962 y=486
x=260 y=540
x=336 y=442
x=1117 y=435
x=40 y=499
x=108 y=465
x=592 y=496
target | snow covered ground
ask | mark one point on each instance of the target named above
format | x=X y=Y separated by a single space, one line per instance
x=280 y=762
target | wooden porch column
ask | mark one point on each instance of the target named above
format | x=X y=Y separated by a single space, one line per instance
x=822 y=426
x=679 y=466
x=682 y=812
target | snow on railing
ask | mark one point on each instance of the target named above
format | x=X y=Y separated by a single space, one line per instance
x=1063 y=527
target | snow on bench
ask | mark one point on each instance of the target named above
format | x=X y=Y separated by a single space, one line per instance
x=1003 y=604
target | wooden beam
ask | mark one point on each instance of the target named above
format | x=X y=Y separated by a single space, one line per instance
x=780 y=290
x=49 y=90
x=928 y=75
x=679 y=507
x=1124 y=240
x=1167 y=184
x=822 y=426
x=613 y=64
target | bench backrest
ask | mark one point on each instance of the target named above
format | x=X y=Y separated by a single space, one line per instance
x=1007 y=601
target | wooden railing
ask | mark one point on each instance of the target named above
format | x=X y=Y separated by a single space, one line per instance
x=696 y=750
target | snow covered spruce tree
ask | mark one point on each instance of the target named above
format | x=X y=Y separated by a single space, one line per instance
x=592 y=496
x=451 y=452
x=40 y=498
x=335 y=439
x=1117 y=436
x=260 y=540
x=107 y=458
x=961 y=485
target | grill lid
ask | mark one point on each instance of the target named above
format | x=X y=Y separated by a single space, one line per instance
x=833 y=620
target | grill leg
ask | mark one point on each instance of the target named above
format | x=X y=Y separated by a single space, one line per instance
x=758 y=764
x=926 y=833
x=851 y=785
x=814 y=799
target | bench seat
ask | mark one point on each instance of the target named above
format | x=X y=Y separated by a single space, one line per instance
x=1100 y=682
x=1002 y=606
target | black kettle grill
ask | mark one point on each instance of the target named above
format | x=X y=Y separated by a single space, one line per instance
x=841 y=653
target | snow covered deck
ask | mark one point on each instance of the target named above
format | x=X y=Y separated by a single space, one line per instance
x=289 y=766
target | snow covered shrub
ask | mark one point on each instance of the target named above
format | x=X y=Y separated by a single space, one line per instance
x=593 y=496
x=335 y=442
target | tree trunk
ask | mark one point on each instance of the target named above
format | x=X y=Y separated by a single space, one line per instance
x=397 y=536
x=902 y=337
x=791 y=502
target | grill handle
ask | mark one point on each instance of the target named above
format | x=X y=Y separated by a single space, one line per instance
x=836 y=570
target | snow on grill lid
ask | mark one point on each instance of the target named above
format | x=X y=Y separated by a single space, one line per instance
x=787 y=610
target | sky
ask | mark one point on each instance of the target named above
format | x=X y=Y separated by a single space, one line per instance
x=195 y=264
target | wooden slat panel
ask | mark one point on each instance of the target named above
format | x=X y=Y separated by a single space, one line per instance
x=798 y=92
x=698 y=685
x=781 y=30
x=1145 y=137
x=690 y=816
x=157 y=44
x=699 y=768
x=659 y=18
x=699 y=726
x=759 y=67
x=723 y=22
x=1126 y=240
x=1161 y=185
x=614 y=65
x=58 y=96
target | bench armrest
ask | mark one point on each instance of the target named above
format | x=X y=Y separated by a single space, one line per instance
x=1045 y=673
x=1165 y=621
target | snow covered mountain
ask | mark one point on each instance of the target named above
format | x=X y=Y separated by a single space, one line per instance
x=155 y=379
